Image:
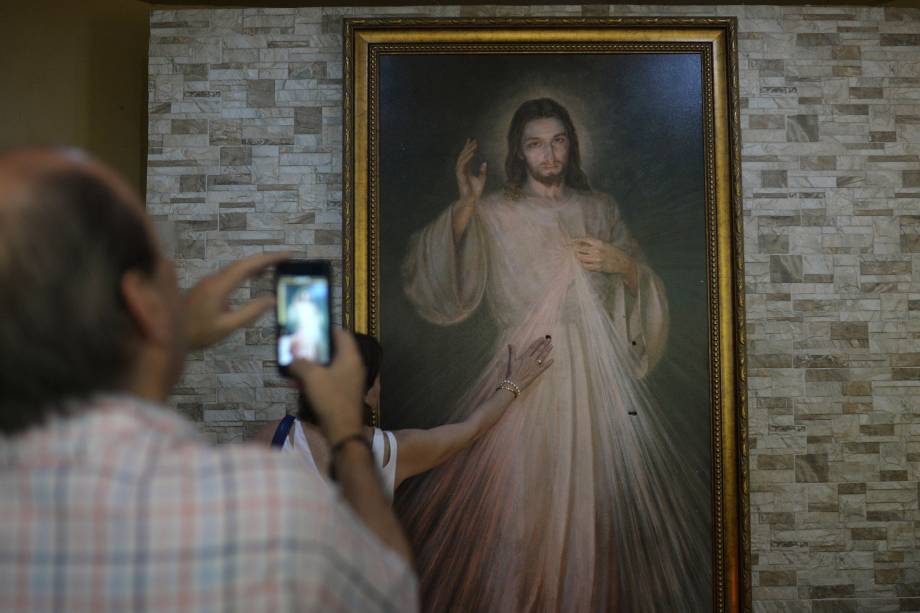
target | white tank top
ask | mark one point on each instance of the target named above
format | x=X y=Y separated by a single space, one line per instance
x=298 y=444
x=388 y=470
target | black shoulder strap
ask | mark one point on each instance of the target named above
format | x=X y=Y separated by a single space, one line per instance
x=281 y=432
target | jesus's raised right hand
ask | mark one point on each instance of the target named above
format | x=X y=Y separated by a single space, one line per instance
x=470 y=186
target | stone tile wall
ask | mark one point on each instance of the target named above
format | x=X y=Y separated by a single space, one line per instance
x=245 y=156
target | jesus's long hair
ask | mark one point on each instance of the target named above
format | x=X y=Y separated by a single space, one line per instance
x=516 y=166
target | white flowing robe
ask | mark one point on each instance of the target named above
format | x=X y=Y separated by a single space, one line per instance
x=536 y=515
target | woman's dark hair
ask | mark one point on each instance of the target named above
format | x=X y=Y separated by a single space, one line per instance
x=516 y=166
x=65 y=332
x=372 y=357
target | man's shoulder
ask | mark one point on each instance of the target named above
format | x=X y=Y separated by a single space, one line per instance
x=259 y=471
x=228 y=511
x=284 y=507
x=162 y=451
x=293 y=512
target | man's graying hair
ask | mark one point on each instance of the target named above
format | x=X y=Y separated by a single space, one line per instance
x=65 y=332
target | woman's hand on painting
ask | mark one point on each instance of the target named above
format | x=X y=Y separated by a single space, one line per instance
x=597 y=256
x=524 y=367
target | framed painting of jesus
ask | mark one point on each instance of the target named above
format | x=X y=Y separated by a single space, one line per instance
x=571 y=185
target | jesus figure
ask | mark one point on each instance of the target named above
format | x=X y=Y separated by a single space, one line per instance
x=565 y=504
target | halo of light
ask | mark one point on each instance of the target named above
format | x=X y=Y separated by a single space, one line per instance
x=491 y=130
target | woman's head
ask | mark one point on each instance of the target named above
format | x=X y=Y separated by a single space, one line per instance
x=371 y=356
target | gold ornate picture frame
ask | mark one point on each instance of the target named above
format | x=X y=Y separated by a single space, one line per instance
x=654 y=105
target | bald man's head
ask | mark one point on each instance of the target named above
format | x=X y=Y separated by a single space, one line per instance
x=70 y=229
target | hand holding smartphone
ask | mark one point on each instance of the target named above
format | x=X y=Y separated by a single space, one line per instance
x=304 y=312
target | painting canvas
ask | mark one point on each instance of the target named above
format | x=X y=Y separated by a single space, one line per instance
x=510 y=180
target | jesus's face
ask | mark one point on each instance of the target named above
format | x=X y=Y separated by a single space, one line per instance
x=545 y=146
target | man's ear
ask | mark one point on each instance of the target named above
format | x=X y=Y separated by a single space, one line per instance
x=146 y=306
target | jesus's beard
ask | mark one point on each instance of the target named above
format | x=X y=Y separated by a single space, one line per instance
x=548 y=180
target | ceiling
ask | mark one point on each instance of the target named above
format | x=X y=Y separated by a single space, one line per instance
x=307 y=3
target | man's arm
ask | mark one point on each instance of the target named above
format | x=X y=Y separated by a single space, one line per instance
x=359 y=477
x=335 y=393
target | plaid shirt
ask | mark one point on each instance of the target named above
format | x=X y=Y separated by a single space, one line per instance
x=122 y=506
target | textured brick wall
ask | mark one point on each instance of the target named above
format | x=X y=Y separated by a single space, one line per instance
x=245 y=156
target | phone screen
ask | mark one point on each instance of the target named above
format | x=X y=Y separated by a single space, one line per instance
x=303 y=318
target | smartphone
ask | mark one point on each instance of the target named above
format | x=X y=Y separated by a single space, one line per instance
x=304 y=312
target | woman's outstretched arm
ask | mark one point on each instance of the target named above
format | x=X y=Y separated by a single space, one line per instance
x=421 y=450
